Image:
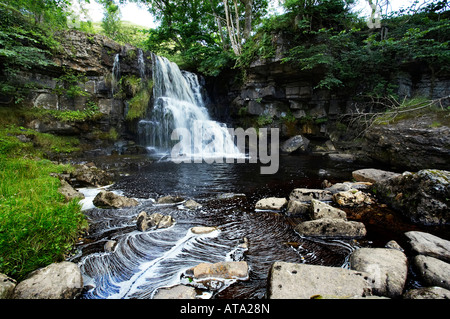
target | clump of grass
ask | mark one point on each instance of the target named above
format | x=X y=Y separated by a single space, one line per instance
x=36 y=226
x=39 y=143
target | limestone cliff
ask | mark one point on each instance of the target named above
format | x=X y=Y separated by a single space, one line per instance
x=89 y=71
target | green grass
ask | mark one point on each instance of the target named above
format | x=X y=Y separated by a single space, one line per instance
x=37 y=226
x=411 y=109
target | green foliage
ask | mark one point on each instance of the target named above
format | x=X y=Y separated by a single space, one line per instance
x=24 y=44
x=142 y=92
x=345 y=56
x=264 y=120
x=69 y=84
x=207 y=60
x=260 y=46
x=90 y=112
x=51 y=13
x=36 y=226
x=111 y=23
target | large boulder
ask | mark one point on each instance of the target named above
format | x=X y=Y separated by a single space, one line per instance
x=422 y=197
x=105 y=199
x=85 y=175
x=372 y=175
x=331 y=228
x=303 y=281
x=433 y=271
x=429 y=245
x=57 y=281
x=412 y=143
x=7 y=286
x=297 y=142
x=387 y=268
x=427 y=293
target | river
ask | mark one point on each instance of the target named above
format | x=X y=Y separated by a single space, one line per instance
x=142 y=262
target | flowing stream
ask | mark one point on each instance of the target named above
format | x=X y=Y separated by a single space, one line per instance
x=142 y=262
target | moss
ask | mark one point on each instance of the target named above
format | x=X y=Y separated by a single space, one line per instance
x=139 y=103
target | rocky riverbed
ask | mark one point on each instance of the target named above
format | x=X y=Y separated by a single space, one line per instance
x=323 y=242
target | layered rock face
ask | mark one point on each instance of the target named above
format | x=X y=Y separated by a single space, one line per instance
x=89 y=72
x=413 y=144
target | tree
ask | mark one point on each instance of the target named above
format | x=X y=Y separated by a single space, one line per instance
x=50 y=12
x=215 y=22
x=111 y=23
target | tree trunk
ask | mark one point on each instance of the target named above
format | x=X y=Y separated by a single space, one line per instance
x=248 y=18
x=238 y=27
x=219 y=26
x=230 y=29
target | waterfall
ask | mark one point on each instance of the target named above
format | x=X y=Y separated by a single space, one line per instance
x=178 y=104
x=141 y=64
x=115 y=73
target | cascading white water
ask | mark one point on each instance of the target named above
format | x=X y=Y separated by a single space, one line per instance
x=141 y=64
x=178 y=104
x=115 y=73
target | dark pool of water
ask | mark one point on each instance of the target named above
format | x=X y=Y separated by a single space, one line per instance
x=142 y=262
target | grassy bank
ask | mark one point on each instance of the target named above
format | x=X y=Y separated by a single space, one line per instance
x=37 y=227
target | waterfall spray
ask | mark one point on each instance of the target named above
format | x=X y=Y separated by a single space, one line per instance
x=178 y=104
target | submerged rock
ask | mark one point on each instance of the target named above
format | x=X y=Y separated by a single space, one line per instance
x=199 y=230
x=427 y=293
x=57 y=281
x=303 y=281
x=169 y=199
x=105 y=199
x=192 y=204
x=226 y=196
